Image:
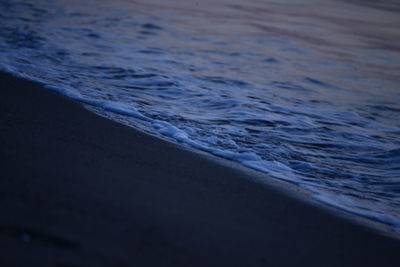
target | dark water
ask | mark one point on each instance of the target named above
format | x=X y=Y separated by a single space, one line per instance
x=306 y=91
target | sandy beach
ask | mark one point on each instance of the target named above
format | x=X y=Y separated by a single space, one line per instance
x=80 y=190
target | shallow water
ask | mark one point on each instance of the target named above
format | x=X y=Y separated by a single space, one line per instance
x=305 y=92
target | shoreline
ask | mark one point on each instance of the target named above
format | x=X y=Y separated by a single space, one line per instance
x=81 y=190
x=288 y=187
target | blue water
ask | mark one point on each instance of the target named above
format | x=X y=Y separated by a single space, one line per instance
x=304 y=92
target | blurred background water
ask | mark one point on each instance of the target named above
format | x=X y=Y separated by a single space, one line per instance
x=306 y=91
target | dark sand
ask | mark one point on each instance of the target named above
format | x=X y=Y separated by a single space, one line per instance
x=80 y=190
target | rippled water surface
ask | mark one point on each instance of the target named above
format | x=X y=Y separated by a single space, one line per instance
x=304 y=91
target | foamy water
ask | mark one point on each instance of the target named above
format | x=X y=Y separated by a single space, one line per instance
x=305 y=92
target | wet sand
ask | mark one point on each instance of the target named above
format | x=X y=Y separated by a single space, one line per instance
x=80 y=190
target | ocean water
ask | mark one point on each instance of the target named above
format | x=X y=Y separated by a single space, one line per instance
x=307 y=91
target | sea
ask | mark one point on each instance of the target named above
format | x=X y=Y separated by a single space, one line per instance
x=306 y=91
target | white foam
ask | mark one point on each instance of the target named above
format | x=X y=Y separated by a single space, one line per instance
x=273 y=168
x=248 y=159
